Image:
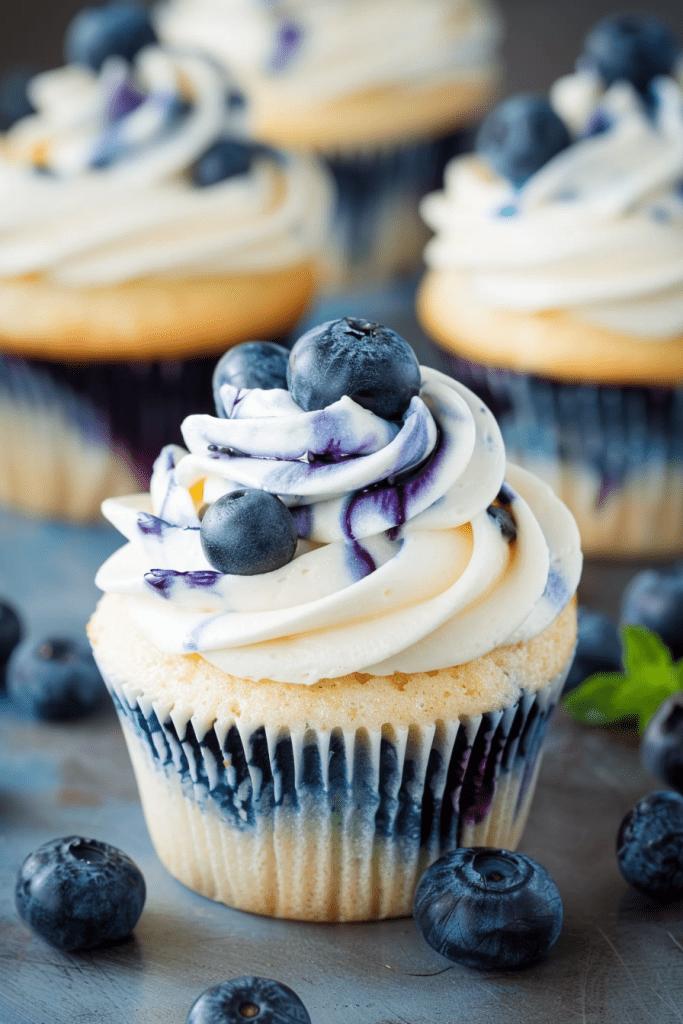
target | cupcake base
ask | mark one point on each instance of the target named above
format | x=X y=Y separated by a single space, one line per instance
x=93 y=384
x=150 y=318
x=315 y=817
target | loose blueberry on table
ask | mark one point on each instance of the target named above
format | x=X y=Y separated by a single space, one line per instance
x=55 y=679
x=79 y=893
x=248 y=998
x=654 y=599
x=520 y=136
x=661 y=746
x=598 y=648
x=488 y=908
x=253 y=364
x=650 y=846
x=10 y=634
x=116 y=29
x=370 y=363
x=246 y=532
x=630 y=47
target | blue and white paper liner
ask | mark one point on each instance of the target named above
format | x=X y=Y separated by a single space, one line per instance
x=378 y=235
x=327 y=825
x=74 y=434
x=612 y=453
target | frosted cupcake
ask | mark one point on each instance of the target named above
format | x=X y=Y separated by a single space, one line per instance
x=140 y=232
x=337 y=632
x=383 y=93
x=555 y=285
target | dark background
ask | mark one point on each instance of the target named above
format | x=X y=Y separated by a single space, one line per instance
x=543 y=36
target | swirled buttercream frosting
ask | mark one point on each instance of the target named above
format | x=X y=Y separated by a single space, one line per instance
x=326 y=50
x=418 y=547
x=99 y=183
x=597 y=231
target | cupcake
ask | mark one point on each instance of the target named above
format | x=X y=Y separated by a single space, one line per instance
x=554 y=285
x=337 y=633
x=141 y=234
x=384 y=94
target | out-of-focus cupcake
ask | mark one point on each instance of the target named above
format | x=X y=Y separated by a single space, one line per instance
x=555 y=285
x=310 y=732
x=140 y=232
x=383 y=92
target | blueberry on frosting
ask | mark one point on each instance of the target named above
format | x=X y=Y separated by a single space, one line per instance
x=253 y=364
x=227 y=158
x=367 y=362
x=520 y=136
x=116 y=29
x=247 y=532
x=631 y=47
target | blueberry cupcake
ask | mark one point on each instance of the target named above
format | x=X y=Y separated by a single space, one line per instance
x=141 y=233
x=554 y=285
x=338 y=630
x=383 y=93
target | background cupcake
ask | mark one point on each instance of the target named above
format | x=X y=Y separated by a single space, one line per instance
x=381 y=92
x=555 y=284
x=144 y=232
x=310 y=731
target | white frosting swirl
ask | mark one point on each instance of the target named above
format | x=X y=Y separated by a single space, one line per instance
x=399 y=565
x=597 y=231
x=320 y=50
x=95 y=188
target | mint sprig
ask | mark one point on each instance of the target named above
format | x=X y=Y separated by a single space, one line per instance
x=650 y=676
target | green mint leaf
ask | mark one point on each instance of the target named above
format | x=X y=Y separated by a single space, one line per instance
x=642 y=647
x=644 y=693
x=593 y=701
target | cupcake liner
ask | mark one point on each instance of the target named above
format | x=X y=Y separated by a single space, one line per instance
x=613 y=454
x=378 y=234
x=331 y=825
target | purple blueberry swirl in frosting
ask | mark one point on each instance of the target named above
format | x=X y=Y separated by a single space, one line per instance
x=418 y=548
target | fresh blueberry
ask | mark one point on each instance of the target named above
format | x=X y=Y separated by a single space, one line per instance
x=661 y=746
x=55 y=679
x=11 y=631
x=635 y=47
x=225 y=159
x=79 y=893
x=248 y=998
x=650 y=846
x=253 y=364
x=598 y=648
x=520 y=136
x=116 y=29
x=370 y=363
x=247 y=532
x=654 y=598
x=14 y=100
x=486 y=908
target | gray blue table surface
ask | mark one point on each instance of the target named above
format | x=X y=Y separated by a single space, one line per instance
x=619 y=959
